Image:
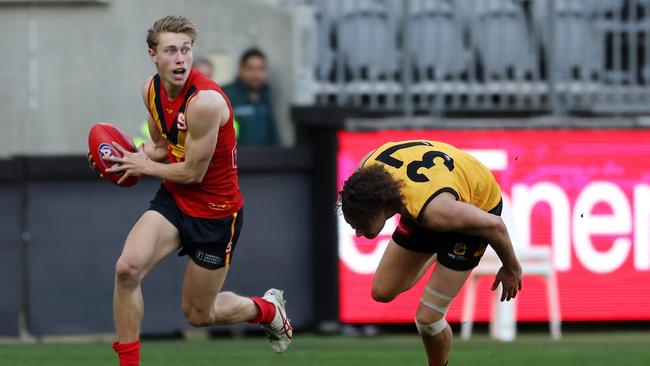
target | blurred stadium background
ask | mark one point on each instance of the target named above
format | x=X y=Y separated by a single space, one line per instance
x=553 y=95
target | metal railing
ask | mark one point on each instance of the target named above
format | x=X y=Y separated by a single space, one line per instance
x=436 y=56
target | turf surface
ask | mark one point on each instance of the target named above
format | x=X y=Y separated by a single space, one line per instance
x=606 y=349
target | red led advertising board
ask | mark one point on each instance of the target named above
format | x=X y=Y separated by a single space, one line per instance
x=585 y=194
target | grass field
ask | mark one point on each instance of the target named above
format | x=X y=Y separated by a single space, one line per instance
x=606 y=349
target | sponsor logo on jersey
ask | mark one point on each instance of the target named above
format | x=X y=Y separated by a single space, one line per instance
x=459 y=249
x=404 y=230
x=219 y=206
x=207 y=258
x=479 y=252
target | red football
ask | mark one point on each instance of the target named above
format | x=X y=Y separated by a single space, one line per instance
x=100 y=144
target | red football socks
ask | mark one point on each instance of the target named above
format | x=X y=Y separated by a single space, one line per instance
x=267 y=311
x=129 y=353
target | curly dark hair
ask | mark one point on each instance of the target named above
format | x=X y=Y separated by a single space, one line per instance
x=368 y=191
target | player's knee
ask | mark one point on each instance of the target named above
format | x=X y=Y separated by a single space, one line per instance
x=430 y=323
x=197 y=317
x=432 y=329
x=383 y=295
x=127 y=272
x=430 y=316
x=425 y=315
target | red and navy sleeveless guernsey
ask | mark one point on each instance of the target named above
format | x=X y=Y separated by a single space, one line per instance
x=218 y=193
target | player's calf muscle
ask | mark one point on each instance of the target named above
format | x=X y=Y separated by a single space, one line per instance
x=197 y=317
x=228 y=308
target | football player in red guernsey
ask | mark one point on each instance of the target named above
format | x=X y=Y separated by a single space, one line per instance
x=198 y=208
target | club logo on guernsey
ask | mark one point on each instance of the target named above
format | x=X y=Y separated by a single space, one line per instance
x=180 y=122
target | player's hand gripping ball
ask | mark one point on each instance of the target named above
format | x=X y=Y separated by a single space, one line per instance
x=100 y=145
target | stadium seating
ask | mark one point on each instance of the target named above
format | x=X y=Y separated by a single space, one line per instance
x=500 y=35
x=366 y=39
x=432 y=28
x=483 y=55
x=324 y=27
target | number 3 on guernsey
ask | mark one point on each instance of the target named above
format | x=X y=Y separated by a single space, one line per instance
x=427 y=160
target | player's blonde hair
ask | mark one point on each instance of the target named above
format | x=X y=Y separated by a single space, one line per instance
x=171 y=24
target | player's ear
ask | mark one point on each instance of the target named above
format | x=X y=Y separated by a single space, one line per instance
x=152 y=55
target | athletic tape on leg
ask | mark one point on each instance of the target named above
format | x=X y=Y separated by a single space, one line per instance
x=441 y=303
x=437 y=294
x=431 y=329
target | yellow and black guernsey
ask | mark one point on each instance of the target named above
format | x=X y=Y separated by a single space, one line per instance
x=428 y=168
x=169 y=116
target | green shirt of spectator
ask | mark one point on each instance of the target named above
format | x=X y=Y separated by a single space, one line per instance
x=250 y=97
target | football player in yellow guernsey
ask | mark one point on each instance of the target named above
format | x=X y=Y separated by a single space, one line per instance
x=450 y=206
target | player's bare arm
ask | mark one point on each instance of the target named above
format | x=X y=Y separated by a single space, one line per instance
x=205 y=114
x=445 y=213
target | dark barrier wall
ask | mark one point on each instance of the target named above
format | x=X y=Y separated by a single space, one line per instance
x=76 y=233
x=10 y=254
x=275 y=245
x=77 y=224
x=317 y=128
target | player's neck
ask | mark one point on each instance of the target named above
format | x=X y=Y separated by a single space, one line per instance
x=172 y=91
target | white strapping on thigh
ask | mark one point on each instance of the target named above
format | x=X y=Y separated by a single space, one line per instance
x=442 y=301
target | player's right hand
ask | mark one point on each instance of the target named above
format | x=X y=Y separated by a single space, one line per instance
x=510 y=279
x=92 y=165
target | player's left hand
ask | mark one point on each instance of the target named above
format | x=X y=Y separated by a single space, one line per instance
x=510 y=279
x=133 y=164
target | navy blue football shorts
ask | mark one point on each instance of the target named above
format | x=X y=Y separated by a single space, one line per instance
x=457 y=251
x=209 y=242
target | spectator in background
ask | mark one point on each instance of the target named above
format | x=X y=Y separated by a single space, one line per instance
x=250 y=96
x=205 y=67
